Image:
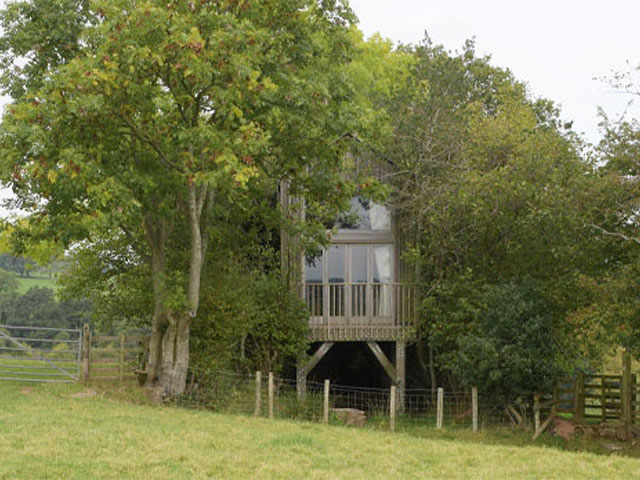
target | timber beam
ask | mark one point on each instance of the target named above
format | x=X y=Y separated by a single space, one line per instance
x=384 y=361
x=306 y=365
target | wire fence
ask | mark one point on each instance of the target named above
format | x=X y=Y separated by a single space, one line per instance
x=271 y=396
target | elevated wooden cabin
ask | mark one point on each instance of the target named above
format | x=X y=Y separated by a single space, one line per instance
x=357 y=289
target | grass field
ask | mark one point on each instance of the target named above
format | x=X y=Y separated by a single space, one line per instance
x=46 y=433
x=25 y=283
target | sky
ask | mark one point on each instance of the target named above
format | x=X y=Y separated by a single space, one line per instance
x=561 y=49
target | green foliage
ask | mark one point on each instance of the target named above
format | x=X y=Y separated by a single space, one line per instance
x=250 y=321
x=38 y=307
x=141 y=127
x=510 y=349
x=8 y=283
x=608 y=308
x=491 y=189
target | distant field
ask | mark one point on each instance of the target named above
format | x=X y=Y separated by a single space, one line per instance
x=45 y=433
x=25 y=283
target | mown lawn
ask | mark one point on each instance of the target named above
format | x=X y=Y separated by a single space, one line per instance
x=45 y=433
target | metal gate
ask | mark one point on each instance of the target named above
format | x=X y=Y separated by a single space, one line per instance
x=40 y=354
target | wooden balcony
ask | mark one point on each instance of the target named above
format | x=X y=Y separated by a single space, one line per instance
x=361 y=311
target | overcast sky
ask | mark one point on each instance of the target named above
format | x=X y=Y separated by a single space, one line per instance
x=556 y=47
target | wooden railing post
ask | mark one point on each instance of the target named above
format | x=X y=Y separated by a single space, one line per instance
x=86 y=352
x=578 y=398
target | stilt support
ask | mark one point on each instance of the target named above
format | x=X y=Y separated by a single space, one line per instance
x=384 y=361
x=306 y=365
x=397 y=372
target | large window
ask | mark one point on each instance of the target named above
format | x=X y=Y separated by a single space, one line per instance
x=351 y=280
x=366 y=215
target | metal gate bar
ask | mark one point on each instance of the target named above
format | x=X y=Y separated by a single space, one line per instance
x=54 y=364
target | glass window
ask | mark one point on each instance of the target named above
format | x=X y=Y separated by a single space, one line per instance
x=359 y=264
x=313 y=270
x=366 y=215
x=382 y=264
x=336 y=264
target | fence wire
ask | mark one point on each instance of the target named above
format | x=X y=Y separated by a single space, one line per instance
x=236 y=393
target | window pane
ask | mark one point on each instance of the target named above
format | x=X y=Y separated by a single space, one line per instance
x=366 y=215
x=314 y=293
x=313 y=270
x=336 y=264
x=382 y=264
x=359 y=264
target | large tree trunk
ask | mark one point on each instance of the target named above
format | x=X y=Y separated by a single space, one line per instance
x=156 y=237
x=175 y=358
x=172 y=379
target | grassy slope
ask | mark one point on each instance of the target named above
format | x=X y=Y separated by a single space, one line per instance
x=25 y=283
x=46 y=434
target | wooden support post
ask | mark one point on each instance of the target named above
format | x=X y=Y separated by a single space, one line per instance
x=384 y=361
x=578 y=396
x=440 y=410
x=392 y=408
x=401 y=358
x=626 y=397
x=304 y=367
x=327 y=389
x=271 y=396
x=256 y=412
x=86 y=352
x=549 y=419
x=121 y=358
x=474 y=409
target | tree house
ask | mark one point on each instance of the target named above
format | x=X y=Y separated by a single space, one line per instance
x=356 y=290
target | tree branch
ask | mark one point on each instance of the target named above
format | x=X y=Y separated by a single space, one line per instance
x=614 y=234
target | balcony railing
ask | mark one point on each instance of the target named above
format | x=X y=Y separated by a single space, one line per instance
x=360 y=311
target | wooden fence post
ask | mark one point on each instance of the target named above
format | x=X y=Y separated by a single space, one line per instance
x=121 y=359
x=392 y=408
x=256 y=412
x=86 y=352
x=603 y=398
x=327 y=387
x=270 y=395
x=634 y=398
x=474 y=409
x=626 y=391
x=578 y=400
x=440 y=413
x=536 y=412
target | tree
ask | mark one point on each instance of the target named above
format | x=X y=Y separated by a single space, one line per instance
x=493 y=189
x=142 y=121
x=510 y=349
x=609 y=308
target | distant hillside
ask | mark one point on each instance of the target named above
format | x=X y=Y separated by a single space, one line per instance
x=25 y=283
